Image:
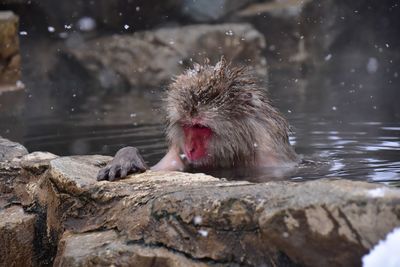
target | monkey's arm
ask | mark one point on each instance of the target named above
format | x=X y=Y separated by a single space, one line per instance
x=170 y=162
x=127 y=160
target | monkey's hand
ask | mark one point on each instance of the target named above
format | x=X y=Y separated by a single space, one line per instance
x=127 y=160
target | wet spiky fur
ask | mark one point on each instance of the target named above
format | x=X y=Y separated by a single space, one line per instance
x=232 y=104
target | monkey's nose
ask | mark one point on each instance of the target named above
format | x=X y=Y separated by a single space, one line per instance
x=190 y=152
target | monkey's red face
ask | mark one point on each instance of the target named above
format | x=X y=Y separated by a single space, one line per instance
x=197 y=139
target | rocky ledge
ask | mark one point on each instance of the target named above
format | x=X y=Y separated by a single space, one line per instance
x=180 y=219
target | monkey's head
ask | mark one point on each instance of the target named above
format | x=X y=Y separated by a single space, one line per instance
x=219 y=116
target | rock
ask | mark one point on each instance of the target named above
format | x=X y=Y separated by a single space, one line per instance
x=152 y=58
x=9 y=173
x=10 y=59
x=17 y=233
x=211 y=10
x=322 y=26
x=10 y=170
x=345 y=34
x=10 y=150
x=106 y=248
x=279 y=22
x=303 y=36
x=23 y=236
x=37 y=162
x=213 y=221
x=182 y=219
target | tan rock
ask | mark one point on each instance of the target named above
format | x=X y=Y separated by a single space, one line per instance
x=10 y=60
x=106 y=248
x=10 y=150
x=211 y=10
x=10 y=170
x=323 y=222
x=17 y=233
x=37 y=162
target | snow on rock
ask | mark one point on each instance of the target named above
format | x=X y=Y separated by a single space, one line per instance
x=385 y=253
x=377 y=192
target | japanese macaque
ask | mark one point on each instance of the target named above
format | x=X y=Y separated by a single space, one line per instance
x=217 y=117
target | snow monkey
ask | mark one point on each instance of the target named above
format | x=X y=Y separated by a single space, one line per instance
x=217 y=117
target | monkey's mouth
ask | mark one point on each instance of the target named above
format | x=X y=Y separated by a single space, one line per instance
x=197 y=137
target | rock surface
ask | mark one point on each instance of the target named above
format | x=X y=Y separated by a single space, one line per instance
x=10 y=150
x=280 y=23
x=10 y=170
x=216 y=222
x=10 y=59
x=24 y=239
x=17 y=233
x=152 y=58
x=306 y=35
x=181 y=219
x=211 y=10
x=106 y=248
x=37 y=162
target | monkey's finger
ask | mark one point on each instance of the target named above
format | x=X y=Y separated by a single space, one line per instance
x=103 y=173
x=139 y=163
x=125 y=168
x=112 y=174
x=124 y=172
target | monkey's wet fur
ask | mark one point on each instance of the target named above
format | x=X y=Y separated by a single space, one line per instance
x=217 y=117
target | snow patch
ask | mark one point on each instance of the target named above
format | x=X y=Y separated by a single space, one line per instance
x=197 y=220
x=372 y=65
x=385 y=253
x=86 y=24
x=203 y=233
x=377 y=192
x=328 y=57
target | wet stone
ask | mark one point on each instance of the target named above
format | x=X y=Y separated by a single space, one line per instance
x=37 y=162
x=211 y=10
x=106 y=248
x=17 y=233
x=10 y=150
x=10 y=59
x=10 y=170
x=286 y=48
x=212 y=221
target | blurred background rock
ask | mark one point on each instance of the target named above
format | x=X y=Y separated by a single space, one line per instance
x=10 y=59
